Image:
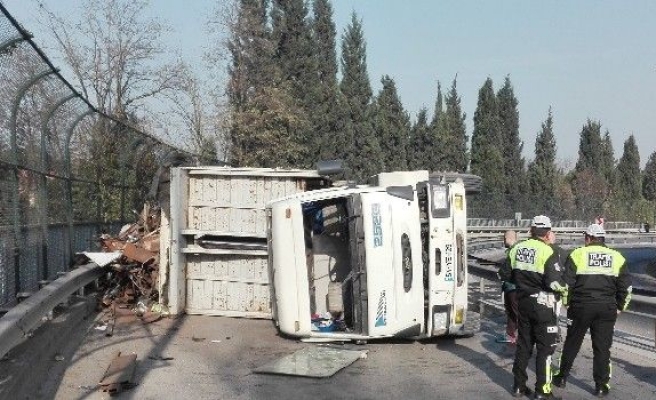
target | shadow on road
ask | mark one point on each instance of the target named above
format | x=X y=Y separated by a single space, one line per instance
x=481 y=360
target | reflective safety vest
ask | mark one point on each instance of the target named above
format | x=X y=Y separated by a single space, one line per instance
x=597 y=260
x=598 y=274
x=530 y=255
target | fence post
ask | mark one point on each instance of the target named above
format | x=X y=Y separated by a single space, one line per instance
x=70 y=217
x=13 y=141
x=43 y=192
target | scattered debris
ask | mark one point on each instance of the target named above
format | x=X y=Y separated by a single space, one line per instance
x=101 y=327
x=132 y=262
x=59 y=357
x=215 y=341
x=119 y=374
x=103 y=258
x=160 y=358
x=197 y=339
x=160 y=309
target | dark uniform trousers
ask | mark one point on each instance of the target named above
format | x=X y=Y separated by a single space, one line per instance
x=600 y=319
x=537 y=326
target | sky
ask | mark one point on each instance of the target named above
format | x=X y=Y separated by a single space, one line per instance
x=586 y=59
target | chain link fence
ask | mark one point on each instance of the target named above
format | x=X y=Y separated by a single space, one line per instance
x=67 y=170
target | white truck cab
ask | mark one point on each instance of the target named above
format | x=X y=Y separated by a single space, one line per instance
x=372 y=261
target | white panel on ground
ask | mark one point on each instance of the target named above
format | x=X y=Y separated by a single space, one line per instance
x=313 y=362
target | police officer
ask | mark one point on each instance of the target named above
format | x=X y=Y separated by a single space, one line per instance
x=532 y=265
x=600 y=287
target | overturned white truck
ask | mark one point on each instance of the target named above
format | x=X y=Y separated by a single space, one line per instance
x=362 y=262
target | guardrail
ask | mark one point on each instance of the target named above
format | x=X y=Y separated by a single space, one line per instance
x=564 y=238
x=24 y=317
x=562 y=224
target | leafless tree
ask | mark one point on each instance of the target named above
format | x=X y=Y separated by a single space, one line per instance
x=116 y=54
x=192 y=107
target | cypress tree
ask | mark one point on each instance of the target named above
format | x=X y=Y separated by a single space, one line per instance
x=392 y=127
x=649 y=178
x=251 y=52
x=565 y=199
x=607 y=160
x=512 y=146
x=438 y=113
x=325 y=36
x=434 y=153
x=454 y=133
x=328 y=128
x=590 y=147
x=298 y=62
x=628 y=183
x=542 y=173
x=590 y=180
x=263 y=113
x=420 y=139
x=340 y=145
x=486 y=124
x=364 y=156
x=590 y=191
x=487 y=157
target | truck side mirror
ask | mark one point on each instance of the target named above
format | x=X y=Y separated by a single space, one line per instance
x=330 y=167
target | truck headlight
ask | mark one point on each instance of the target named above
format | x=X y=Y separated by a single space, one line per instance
x=440 y=200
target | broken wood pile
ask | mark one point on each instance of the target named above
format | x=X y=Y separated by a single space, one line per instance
x=133 y=276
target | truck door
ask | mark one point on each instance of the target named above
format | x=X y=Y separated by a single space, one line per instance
x=394 y=278
x=446 y=274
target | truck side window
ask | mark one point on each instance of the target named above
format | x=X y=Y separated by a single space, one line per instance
x=406 y=253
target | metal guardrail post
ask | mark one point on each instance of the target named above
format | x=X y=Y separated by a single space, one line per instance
x=481 y=303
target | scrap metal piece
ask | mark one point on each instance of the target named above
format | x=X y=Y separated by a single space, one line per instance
x=119 y=374
x=138 y=254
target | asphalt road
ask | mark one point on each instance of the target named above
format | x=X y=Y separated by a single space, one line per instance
x=199 y=357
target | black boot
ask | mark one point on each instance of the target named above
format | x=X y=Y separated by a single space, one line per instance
x=546 y=396
x=559 y=380
x=601 y=390
x=519 y=391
